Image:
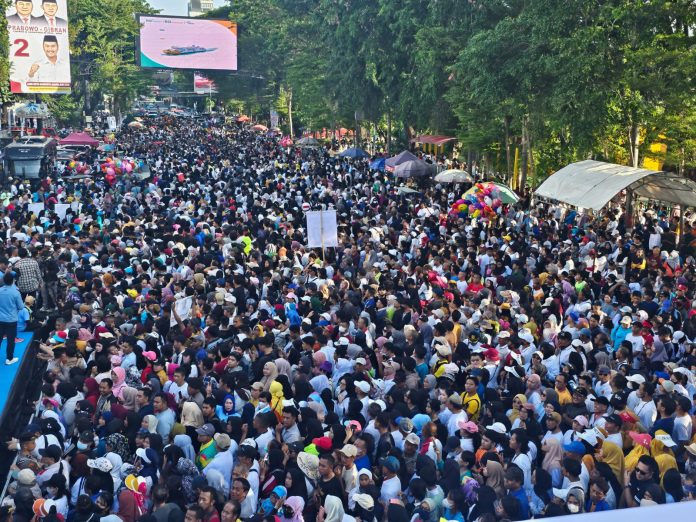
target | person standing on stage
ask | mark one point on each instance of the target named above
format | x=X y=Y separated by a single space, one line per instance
x=10 y=305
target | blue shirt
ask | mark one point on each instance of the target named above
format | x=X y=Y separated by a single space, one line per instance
x=22 y=319
x=520 y=495
x=10 y=304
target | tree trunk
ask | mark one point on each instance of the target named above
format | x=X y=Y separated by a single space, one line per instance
x=633 y=143
x=525 y=154
x=292 y=131
x=389 y=136
x=507 y=121
x=532 y=170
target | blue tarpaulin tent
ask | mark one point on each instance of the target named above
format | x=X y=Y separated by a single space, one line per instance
x=378 y=164
x=354 y=153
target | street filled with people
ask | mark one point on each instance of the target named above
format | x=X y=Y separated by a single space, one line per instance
x=204 y=365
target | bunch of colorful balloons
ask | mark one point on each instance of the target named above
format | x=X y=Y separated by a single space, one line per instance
x=78 y=166
x=113 y=167
x=480 y=201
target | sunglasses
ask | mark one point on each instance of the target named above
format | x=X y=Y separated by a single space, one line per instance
x=642 y=472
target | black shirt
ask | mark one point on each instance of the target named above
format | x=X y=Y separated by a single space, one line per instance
x=331 y=487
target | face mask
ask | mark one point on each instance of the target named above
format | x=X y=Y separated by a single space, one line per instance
x=447 y=503
x=262 y=404
x=82 y=446
x=573 y=508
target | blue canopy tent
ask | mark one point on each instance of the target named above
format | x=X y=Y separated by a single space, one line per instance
x=378 y=164
x=354 y=153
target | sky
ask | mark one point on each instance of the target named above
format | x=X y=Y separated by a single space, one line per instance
x=176 y=7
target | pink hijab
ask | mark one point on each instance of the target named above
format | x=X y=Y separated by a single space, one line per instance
x=119 y=382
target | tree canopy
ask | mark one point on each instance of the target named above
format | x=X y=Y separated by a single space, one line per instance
x=555 y=81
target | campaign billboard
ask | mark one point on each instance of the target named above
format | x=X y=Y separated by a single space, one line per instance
x=172 y=42
x=203 y=85
x=39 y=46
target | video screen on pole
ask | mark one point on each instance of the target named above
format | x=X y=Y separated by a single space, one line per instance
x=170 y=42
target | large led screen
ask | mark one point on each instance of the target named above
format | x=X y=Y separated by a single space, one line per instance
x=169 y=42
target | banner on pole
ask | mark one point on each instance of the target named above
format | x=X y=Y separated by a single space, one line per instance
x=322 y=229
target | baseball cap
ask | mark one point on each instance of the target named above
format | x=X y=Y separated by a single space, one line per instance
x=412 y=438
x=497 y=427
x=52 y=452
x=614 y=419
x=574 y=447
x=322 y=443
x=602 y=400
x=637 y=378
x=406 y=425
x=468 y=426
x=391 y=463
x=363 y=386
x=643 y=439
x=665 y=439
x=223 y=440
x=207 y=429
x=349 y=450
x=361 y=360
x=555 y=416
x=667 y=385
x=246 y=451
x=582 y=420
x=455 y=398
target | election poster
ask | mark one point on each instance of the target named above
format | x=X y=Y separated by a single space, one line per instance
x=39 y=46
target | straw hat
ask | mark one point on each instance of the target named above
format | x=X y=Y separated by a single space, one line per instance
x=309 y=465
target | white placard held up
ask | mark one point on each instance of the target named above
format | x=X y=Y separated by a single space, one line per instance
x=322 y=229
x=183 y=309
x=36 y=208
x=61 y=209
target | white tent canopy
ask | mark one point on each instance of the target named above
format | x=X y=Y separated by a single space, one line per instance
x=592 y=184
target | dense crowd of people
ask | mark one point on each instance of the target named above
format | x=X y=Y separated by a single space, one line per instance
x=204 y=365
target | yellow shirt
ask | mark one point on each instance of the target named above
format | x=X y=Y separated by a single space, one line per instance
x=564 y=397
x=472 y=405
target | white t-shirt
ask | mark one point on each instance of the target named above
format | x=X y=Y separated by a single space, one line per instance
x=179 y=392
x=390 y=489
x=637 y=342
x=682 y=429
x=525 y=464
x=647 y=413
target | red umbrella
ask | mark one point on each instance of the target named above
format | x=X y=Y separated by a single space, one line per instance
x=259 y=127
x=243 y=118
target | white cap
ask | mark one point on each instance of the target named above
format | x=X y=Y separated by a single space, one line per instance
x=527 y=337
x=498 y=427
x=666 y=440
x=381 y=404
x=363 y=386
x=361 y=360
x=413 y=439
x=637 y=378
